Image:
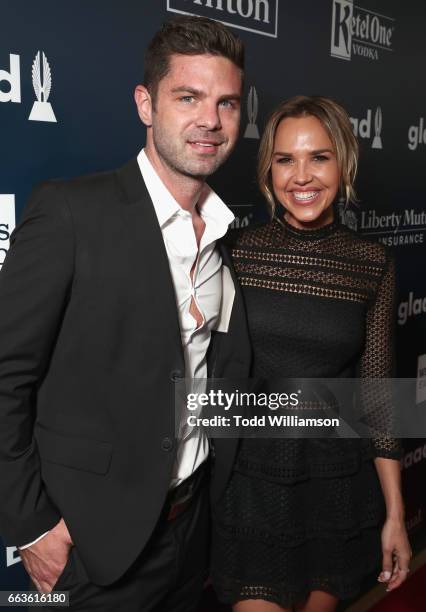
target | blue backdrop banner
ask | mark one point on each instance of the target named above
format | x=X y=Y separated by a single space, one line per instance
x=67 y=76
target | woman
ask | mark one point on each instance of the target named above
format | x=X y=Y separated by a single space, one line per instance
x=301 y=522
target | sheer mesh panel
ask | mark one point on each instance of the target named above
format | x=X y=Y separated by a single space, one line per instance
x=305 y=514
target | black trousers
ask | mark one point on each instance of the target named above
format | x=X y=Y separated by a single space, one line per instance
x=168 y=575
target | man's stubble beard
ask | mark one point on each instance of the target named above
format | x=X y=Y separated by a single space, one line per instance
x=179 y=163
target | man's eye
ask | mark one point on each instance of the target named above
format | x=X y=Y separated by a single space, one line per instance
x=227 y=103
x=186 y=98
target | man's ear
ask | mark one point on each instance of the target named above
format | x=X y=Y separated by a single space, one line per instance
x=144 y=104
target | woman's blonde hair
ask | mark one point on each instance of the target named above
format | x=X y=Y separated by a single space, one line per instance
x=334 y=119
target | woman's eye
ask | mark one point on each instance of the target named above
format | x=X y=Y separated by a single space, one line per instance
x=320 y=158
x=284 y=160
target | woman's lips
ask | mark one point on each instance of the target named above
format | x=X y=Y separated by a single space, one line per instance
x=305 y=197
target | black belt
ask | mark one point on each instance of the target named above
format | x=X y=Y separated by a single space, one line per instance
x=180 y=498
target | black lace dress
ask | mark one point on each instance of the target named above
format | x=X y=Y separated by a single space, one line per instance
x=305 y=514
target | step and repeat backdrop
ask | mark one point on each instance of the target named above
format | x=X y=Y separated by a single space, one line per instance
x=67 y=75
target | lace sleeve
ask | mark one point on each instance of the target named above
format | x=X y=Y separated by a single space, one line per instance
x=378 y=362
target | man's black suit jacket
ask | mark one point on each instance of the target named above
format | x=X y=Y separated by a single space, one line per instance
x=90 y=352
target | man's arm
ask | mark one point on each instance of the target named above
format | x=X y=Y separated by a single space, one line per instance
x=35 y=282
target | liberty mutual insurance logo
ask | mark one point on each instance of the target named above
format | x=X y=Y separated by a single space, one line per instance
x=257 y=16
x=42 y=82
x=359 y=31
x=252 y=131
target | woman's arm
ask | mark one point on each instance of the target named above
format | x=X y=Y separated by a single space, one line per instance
x=377 y=370
x=389 y=471
x=396 y=548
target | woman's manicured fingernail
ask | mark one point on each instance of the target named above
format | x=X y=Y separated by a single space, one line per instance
x=386 y=575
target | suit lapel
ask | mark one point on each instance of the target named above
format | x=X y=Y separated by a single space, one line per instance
x=148 y=252
x=149 y=258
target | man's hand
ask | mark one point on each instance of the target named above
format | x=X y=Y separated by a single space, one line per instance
x=45 y=560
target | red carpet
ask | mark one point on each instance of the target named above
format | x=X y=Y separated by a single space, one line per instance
x=410 y=597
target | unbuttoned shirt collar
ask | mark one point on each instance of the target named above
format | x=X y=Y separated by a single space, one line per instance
x=213 y=210
x=205 y=287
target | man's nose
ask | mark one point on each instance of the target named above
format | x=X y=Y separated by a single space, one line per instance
x=209 y=117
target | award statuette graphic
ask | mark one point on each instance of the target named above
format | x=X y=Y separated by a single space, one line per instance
x=347 y=215
x=252 y=110
x=42 y=82
x=378 y=123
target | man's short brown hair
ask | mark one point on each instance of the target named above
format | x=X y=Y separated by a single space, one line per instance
x=188 y=35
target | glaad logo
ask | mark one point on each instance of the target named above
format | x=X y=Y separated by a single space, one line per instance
x=12 y=556
x=362 y=127
x=413 y=457
x=414 y=520
x=416 y=135
x=421 y=379
x=258 y=16
x=252 y=130
x=7 y=223
x=242 y=217
x=42 y=83
x=13 y=77
x=412 y=307
x=358 y=31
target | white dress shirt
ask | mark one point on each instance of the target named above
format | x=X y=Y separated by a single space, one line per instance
x=206 y=288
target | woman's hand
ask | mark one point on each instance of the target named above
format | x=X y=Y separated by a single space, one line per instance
x=396 y=553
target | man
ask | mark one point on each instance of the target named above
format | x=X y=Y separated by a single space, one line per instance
x=97 y=492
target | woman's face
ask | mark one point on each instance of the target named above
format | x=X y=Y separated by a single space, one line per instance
x=305 y=175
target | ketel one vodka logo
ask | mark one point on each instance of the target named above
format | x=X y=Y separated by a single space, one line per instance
x=42 y=82
x=358 y=31
x=363 y=127
x=257 y=16
x=252 y=131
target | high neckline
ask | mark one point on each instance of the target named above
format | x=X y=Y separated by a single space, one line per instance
x=309 y=234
